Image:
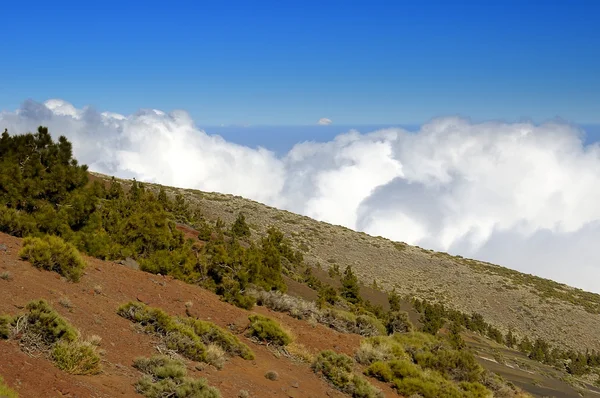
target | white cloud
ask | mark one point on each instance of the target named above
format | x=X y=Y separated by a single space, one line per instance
x=324 y=121
x=522 y=195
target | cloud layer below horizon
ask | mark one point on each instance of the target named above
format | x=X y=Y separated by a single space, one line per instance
x=516 y=194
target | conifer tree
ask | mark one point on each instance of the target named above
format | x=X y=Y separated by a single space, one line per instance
x=350 y=289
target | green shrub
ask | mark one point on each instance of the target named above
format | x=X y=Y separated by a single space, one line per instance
x=361 y=388
x=456 y=365
x=176 y=335
x=402 y=368
x=474 y=390
x=212 y=334
x=187 y=336
x=337 y=368
x=5 y=391
x=47 y=323
x=43 y=328
x=380 y=370
x=420 y=363
x=398 y=322
x=368 y=325
x=241 y=301
x=52 y=253
x=166 y=377
x=240 y=228
x=267 y=329
x=80 y=358
x=426 y=388
x=5 y=322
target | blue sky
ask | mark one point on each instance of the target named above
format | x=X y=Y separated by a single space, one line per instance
x=293 y=62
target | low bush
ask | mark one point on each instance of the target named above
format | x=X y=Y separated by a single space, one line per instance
x=380 y=370
x=272 y=375
x=213 y=334
x=379 y=348
x=337 y=368
x=45 y=322
x=80 y=358
x=398 y=322
x=166 y=377
x=215 y=356
x=177 y=336
x=6 y=391
x=52 y=253
x=268 y=330
x=189 y=337
x=43 y=329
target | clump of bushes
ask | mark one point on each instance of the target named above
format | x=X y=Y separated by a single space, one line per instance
x=43 y=329
x=176 y=335
x=268 y=330
x=187 y=336
x=339 y=320
x=337 y=368
x=420 y=363
x=166 y=377
x=5 y=391
x=52 y=253
x=213 y=334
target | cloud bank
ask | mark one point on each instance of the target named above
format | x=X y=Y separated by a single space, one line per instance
x=521 y=195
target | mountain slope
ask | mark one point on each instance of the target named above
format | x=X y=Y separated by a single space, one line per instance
x=507 y=299
x=91 y=305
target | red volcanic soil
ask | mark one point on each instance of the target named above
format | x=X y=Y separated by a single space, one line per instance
x=105 y=286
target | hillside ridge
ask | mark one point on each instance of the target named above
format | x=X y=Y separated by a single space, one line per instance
x=508 y=299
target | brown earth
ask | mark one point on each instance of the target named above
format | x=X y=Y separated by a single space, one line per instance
x=93 y=303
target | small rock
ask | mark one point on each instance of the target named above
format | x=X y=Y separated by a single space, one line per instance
x=3 y=247
x=295 y=384
x=129 y=263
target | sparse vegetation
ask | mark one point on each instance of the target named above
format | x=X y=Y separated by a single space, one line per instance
x=166 y=377
x=187 y=336
x=6 y=275
x=53 y=254
x=342 y=321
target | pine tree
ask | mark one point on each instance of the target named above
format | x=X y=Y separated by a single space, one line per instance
x=350 y=289
x=394 y=300
x=239 y=227
x=510 y=340
x=455 y=337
